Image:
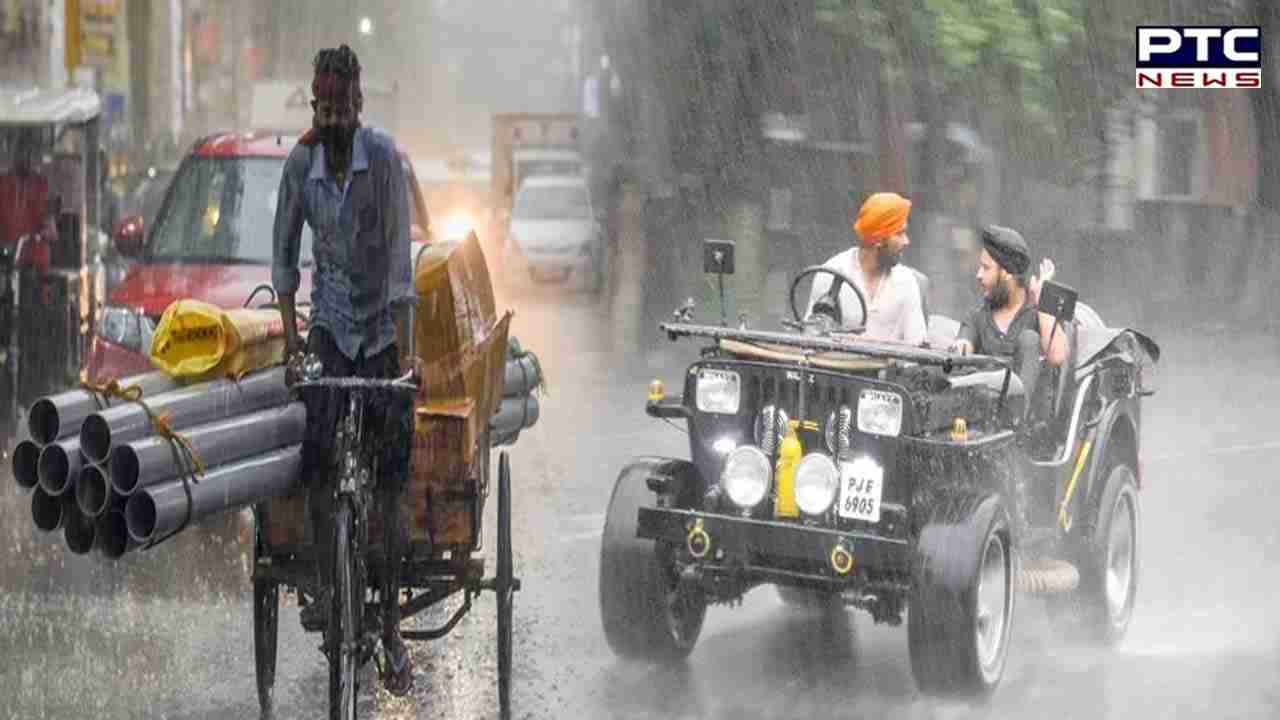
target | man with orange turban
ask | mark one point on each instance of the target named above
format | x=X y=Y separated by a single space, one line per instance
x=894 y=305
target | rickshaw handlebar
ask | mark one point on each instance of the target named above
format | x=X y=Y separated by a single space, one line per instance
x=404 y=383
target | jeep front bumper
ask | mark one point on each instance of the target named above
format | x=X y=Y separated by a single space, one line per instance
x=771 y=551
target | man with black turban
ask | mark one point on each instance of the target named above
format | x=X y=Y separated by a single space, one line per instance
x=346 y=182
x=1008 y=323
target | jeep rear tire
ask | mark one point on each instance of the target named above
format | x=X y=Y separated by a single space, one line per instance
x=647 y=615
x=1099 y=610
x=961 y=612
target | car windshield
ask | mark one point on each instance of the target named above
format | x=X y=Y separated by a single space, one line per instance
x=222 y=210
x=547 y=166
x=552 y=202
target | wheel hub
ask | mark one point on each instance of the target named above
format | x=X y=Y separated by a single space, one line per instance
x=992 y=602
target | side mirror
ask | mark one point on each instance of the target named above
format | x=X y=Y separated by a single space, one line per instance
x=1059 y=301
x=717 y=257
x=129 y=236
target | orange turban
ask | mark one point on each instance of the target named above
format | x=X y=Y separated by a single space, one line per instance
x=882 y=215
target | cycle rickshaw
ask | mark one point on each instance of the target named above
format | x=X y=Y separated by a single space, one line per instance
x=461 y=347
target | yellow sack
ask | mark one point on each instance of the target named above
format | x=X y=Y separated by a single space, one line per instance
x=197 y=340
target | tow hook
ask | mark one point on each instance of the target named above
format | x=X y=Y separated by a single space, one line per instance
x=841 y=559
x=698 y=541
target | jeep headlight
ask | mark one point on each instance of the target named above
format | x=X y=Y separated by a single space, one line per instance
x=816 y=483
x=125 y=327
x=746 y=476
x=880 y=412
x=718 y=391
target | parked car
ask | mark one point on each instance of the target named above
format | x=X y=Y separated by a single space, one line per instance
x=896 y=479
x=555 y=234
x=211 y=241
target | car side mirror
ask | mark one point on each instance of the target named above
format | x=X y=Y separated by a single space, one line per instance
x=129 y=236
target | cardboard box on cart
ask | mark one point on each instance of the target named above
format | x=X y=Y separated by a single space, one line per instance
x=462 y=347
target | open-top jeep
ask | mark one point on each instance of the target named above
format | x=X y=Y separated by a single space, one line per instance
x=892 y=478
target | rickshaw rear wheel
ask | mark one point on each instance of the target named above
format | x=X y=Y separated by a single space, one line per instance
x=505 y=586
x=266 y=623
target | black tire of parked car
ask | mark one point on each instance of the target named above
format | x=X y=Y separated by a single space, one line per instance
x=1106 y=552
x=645 y=614
x=961 y=606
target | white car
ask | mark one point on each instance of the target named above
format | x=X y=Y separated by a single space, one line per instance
x=555 y=234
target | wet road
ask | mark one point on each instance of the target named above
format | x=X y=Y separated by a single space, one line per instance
x=168 y=634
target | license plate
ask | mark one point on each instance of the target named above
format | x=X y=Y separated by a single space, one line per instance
x=861 y=482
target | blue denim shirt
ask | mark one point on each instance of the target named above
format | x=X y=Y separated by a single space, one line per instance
x=361 y=247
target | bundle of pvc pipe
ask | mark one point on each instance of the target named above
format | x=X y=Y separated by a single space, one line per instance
x=182 y=408
x=521 y=376
x=156 y=511
x=57 y=416
x=514 y=415
x=151 y=460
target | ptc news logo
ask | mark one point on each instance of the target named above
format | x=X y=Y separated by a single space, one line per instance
x=1199 y=57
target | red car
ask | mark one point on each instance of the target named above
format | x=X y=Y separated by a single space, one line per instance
x=211 y=241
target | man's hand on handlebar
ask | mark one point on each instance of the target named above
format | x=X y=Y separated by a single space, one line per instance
x=961 y=347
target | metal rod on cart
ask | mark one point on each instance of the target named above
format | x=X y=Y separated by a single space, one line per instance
x=151 y=461
x=184 y=407
x=437 y=633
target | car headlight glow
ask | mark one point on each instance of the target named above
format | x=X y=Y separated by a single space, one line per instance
x=817 y=481
x=880 y=412
x=746 y=476
x=125 y=327
x=718 y=391
x=457 y=226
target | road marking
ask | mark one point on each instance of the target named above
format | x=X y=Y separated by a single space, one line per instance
x=1227 y=450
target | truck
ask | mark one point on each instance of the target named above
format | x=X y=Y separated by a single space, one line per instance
x=526 y=144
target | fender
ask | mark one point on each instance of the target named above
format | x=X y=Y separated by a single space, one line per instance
x=941 y=550
x=667 y=476
x=1121 y=411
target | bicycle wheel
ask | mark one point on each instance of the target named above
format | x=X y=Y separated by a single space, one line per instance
x=345 y=612
x=505 y=586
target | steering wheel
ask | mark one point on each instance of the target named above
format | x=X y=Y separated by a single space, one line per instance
x=833 y=292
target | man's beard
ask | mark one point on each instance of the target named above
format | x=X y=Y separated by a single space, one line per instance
x=999 y=296
x=337 y=139
x=887 y=260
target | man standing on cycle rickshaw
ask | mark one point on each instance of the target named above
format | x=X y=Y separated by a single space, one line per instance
x=346 y=182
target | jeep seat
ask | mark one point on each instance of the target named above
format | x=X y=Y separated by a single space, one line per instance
x=923 y=281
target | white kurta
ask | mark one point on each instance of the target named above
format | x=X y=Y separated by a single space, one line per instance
x=896 y=311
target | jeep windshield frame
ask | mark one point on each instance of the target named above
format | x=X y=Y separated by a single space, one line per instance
x=948 y=361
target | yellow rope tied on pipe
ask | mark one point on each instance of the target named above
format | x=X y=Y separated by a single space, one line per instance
x=160 y=423
x=112 y=388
